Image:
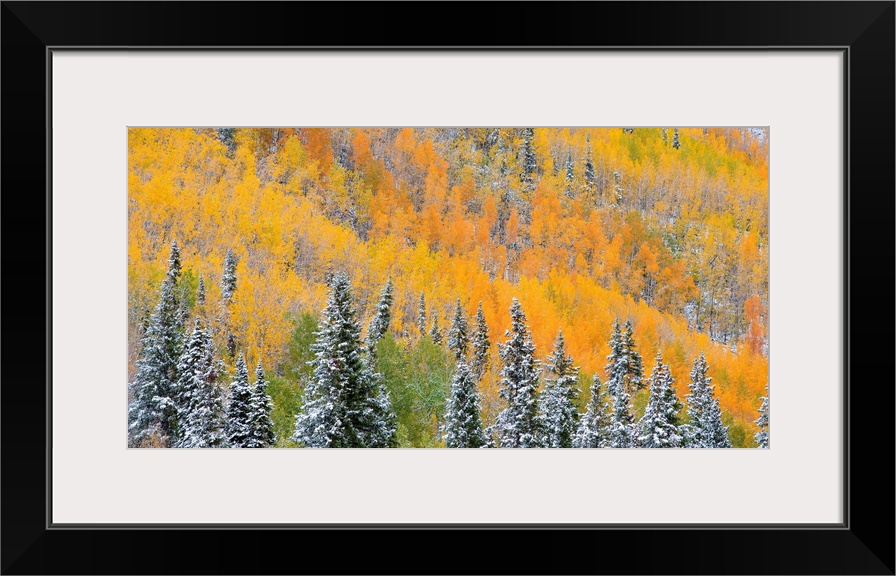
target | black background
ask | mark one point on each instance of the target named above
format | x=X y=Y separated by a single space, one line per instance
x=864 y=545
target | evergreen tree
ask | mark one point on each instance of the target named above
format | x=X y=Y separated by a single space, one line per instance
x=594 y=427
x=435 y=333
x=658 y=428
x=201 y=403
x=227 y=135
x=590 y=180
x=463 y=423
x=479 y=363
x=153 y=411
x=231 y=345
x=517 y=424
x=174 y=263
x=676 y=143
x=239 y=408
x=346 y=404
x=624 y=364
x=458 y=336
x=665 y=137
x=530 y=163
x=557 y=404
x=261 y=426
x=379 y=324
x=762 y=436
x=635 y=372
x=705 y=428
x=200 y=292
x=421 y=316
x=570 y=172
x=621 y=432
x=228 y=278
x=617 y=361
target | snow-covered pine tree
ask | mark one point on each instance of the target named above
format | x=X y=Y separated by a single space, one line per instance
x=624 y=364
x=658 y=428
x=227 y=137
x=200 y=291
x=261 y=427
x=239 y=407
x=761 y=437
x=530 y=162
x=590 y=180
x=617 y=361
x=459 y=335
x=228 y=278
x=346 y=405
x=421 y=316
x=517 y=424
x=635 y=373
x=594 y=426
x=676 y=143
x=153 y=411
x=479 y=363
x=174 y=263
x=558 y=413
x=435 y=333
x=705 y=428
x=379 y=324
x=201 y=402
x=621 y=432
x=463 y=422
x=570 y=172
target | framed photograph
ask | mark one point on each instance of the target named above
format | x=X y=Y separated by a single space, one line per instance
x=597 y=245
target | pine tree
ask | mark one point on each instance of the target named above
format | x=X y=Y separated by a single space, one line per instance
x=621 y=432
x=624 y=364
x=570 y=172
x=200 y=292
x=227 y=135
x=480 y=361
x=658 y=428
x=705 y=428
x=517 y=424
x=530 y=163
x=590 y=180
x=665 y=137
x=463 y=423
x=261 y=427
x=174 y=263
x=421 y=316
x=201 y=403
x=228 y=278
x=239 y=406
x=153 y=412
x=676 y=143
x=761 y=437
x=458 y=336
x=346 y=404
x=635 y=372
x=435 y=333
x=617 y=361
x=594 y=427
x=558 y=414
x=379 y=324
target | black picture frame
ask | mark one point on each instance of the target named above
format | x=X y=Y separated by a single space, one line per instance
x=863 y=544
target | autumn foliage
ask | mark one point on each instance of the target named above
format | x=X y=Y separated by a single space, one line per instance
x=609 y=225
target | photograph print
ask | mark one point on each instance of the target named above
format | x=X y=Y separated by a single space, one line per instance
x=406 y=287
